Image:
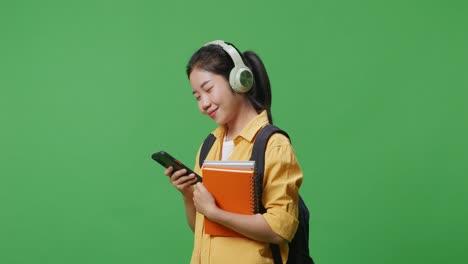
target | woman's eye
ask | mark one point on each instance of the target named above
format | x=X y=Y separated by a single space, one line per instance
x=209 y=89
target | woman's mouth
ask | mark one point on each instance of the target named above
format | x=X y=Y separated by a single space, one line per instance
x=212 y=114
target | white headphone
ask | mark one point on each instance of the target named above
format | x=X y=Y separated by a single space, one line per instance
x=240 y=77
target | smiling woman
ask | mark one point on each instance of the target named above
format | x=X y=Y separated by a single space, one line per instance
x=217 y=100
x=233 y=89
x=238 y=92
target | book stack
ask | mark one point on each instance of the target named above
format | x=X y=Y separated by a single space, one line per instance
x=232 y=184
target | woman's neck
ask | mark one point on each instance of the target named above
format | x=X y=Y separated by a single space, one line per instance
x=243 y=117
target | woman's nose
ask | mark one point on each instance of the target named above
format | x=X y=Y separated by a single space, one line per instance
x=205 y=102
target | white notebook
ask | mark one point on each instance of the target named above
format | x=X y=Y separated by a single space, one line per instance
x=241 y=164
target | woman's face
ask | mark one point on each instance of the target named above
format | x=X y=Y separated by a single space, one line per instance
x=214 y=96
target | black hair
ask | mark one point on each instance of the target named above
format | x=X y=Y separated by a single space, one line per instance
x=214 y=59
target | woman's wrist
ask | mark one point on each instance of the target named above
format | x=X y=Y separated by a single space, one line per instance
x=187 y=196
x=215 y=214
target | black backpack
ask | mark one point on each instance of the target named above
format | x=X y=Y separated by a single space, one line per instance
x=299 y=246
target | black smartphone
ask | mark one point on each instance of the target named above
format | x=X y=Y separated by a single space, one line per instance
x=166 y=160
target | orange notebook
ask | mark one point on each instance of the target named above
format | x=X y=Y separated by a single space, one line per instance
x=232 y=185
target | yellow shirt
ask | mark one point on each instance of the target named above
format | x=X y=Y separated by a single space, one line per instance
x=281 y=182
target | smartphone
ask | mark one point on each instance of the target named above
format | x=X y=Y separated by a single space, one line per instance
x=166 y=160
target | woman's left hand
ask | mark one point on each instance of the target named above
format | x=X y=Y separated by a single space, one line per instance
x=204 y=201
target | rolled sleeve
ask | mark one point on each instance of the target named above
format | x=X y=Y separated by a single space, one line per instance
x=282 y=179
x=282 y=223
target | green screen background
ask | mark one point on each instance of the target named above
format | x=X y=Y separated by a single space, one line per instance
x=373 y=93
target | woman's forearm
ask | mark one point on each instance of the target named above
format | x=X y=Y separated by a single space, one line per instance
x=252 y=226
x=190 y=211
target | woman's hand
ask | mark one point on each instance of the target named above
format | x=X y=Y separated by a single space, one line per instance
x=204 y=201
x=182 y=182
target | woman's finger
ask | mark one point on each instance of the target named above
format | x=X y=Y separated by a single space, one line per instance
x=168 y=171
x=176 y=175
x=184 y=179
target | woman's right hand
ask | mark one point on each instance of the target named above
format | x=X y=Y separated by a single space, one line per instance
x=183 y=183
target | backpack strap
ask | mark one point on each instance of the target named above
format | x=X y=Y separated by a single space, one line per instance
x=258 y=155
x=207 y=144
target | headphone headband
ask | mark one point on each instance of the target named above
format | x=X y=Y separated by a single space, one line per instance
x=240 y=77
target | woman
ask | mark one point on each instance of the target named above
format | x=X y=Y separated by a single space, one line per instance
x=233 y=89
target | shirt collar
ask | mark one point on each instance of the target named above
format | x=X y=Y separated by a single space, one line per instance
x=249 y=131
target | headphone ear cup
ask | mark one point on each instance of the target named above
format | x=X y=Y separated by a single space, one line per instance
x=241 y=79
